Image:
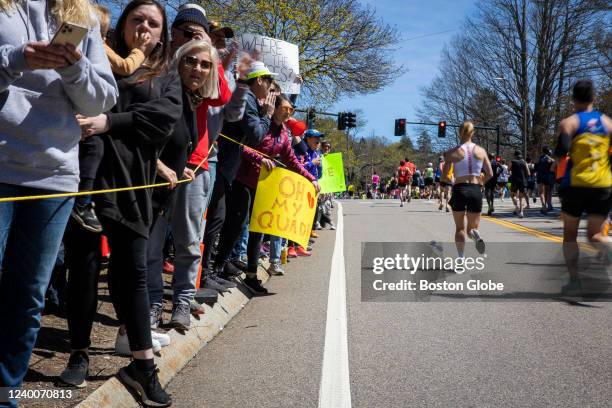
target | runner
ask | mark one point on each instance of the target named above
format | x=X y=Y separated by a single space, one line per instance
x=502 y=180
x=530 y=182
x=415 y=185
x=545 y=178
x=411 y=171
x=518 y=179
x=446 y=183
x=466 y=202
x=429 y=181
x=437 y=177
x=587 y=183
x=403 y=181
x=491 y=184
x=375 y=181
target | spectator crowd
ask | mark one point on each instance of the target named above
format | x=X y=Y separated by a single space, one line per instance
x=150 y=101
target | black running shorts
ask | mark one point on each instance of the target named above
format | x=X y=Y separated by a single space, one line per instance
x=429 y=181
x=517 y=186
x=466 y=197
x=578 y=200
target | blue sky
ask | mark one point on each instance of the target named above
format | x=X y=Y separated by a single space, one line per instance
x=421 y=57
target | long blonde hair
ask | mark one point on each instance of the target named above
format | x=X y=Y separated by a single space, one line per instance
x=79 y=12
x=210 y=87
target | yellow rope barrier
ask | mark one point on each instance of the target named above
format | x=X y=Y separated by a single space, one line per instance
x=121 y=189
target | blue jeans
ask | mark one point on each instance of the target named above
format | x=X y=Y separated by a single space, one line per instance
x=240 y=248
x=30 y=236
x=187 y=229
x=276 y=244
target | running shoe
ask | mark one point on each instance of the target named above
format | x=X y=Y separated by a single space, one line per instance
x=275 y=269
x=181 y=317
x=313 y=234
x=77 y=370
x=146 y=385
x=521 y=215
x=291 y=252
x=155 y=315
x=480 y=244
x=195 y=308
x=86 y=217
x=122 y=345
x=302 y=252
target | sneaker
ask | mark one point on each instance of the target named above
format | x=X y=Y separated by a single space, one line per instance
x=311 y=241
x=86 y=217
x=401 y=204
x=146 y=385
x=480 y=244
x=195 y=308
x=156 y=316
x=275 y=269
x=332 y=226
x=77 y=370
x=254 y=285
x=291 y=252
x=181 y=317
x=209 y=283
x=313 y=234
x=223 y=282
x=521 y=215
x=317 y=226
x=302 y=252
x=122 y=345
x=309 y=248
x=168 y=267
x=231 y=270
x=162 y=338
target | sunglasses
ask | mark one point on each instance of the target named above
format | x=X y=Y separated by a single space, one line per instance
x=191 y=34
x=192 y=62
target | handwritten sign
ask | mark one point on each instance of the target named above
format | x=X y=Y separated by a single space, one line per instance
x=332 y=180
x=285 y=205
x=280 y=57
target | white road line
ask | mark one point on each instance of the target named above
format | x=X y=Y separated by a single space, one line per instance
x=335 y=388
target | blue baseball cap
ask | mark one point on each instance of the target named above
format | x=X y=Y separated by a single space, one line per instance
x=313 y=133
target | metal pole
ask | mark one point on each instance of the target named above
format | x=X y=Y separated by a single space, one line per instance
x=498 y=131
x=525 y=130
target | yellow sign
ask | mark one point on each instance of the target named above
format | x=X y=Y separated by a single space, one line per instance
x=285 y=205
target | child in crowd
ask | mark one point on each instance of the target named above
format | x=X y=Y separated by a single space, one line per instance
x=91 y=148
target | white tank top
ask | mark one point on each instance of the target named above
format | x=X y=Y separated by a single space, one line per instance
x=469 y=165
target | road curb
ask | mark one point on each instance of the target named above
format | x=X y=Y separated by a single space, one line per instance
x=181 y=350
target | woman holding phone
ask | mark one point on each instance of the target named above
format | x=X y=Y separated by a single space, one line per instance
x=42 y=86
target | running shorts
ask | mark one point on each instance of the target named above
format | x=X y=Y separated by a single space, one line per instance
x=429 y=181
x=502 y=184
x=517 y=186
x=401 y=185
x=578 y=200
x=445 y=184
x=466 y=197
x=415 y=182
x=531 y=185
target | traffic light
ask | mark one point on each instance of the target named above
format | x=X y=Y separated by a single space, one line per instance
x=351 y=120
x=310 y=117
x=342 y=121
x=442 y=129
x=400 y=127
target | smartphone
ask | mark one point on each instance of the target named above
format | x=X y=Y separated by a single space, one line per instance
x=69 y=33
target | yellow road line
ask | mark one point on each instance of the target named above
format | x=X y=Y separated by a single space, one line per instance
x=535 y=232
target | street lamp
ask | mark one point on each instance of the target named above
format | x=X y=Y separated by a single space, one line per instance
x=524 y=119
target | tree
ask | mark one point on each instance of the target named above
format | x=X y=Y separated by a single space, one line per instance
x=345 y=48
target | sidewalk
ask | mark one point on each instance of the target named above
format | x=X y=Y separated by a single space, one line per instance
x=103 y=389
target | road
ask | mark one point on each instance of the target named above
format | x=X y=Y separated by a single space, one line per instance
x=438 y=353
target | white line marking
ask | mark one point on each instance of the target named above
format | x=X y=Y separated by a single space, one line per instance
x=335 y=388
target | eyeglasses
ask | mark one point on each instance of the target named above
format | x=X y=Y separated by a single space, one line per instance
x=192 y=62
x=198 y=35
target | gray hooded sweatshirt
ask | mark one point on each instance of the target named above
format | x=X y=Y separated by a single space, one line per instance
x=39 y=134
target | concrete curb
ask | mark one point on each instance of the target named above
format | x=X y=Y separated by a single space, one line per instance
x=181 y=350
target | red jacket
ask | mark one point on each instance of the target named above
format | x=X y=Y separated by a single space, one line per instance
x=275 y=144
x=201 y=150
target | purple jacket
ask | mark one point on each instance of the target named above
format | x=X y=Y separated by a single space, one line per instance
x=275 y=144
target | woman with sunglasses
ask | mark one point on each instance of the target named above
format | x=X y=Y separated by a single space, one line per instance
x=276 y=145
x=203 y=85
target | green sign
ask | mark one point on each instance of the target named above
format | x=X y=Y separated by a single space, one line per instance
x=332 y=180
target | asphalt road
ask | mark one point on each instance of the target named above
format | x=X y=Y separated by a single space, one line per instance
x=438 y=353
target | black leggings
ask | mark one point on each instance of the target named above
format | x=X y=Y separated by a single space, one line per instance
x=127 y=282
x=239 y=207
x=91 y=151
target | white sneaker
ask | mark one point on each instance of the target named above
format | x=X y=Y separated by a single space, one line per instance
x=122 y=345
x=521 y=215
x=162 y=338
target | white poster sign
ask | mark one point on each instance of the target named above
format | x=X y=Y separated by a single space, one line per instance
x=279 y=56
